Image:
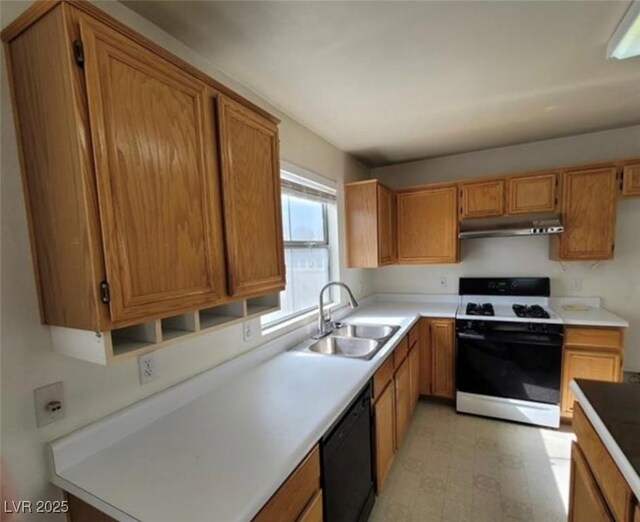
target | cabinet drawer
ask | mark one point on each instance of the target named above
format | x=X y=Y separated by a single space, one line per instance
x=413 y=336
x=400 y=352
x=614 y=487
x=288 y=503
x=382 y=377
x=594 y=337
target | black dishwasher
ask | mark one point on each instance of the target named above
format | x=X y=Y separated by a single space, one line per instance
x=347 y=471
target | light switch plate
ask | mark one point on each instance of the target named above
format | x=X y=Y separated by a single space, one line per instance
x=49 y=402
x=576 y=284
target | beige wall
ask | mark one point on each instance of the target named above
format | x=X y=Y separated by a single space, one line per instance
x=92 y=391
x=616 y=281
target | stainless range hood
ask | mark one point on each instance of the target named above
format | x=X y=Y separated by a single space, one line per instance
x=505 y=227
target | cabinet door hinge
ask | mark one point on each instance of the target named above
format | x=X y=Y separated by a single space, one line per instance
x=78 y=53
x=105 y=294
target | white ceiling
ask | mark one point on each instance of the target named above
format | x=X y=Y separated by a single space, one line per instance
x=395 y=81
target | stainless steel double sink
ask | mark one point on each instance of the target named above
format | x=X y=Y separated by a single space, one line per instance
x=357 y=341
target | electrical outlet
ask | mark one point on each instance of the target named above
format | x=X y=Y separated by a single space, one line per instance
x=49 y=402
x=576 y=284
x=247 y=330
x=443 y=282
x=147 y=368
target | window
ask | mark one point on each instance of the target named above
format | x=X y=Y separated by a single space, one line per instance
x=308 y=217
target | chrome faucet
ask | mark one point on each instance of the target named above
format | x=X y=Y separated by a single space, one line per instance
x=324 y=324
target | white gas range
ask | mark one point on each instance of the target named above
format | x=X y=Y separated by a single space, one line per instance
x=509 y=350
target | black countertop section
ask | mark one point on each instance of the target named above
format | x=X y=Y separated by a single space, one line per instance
x=618 y=406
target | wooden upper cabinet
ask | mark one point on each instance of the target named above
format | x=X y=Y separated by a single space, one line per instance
x=428 y=225
x=119 y=148
x=481 y=198
x=370 y=223
x=631 y=180
x=589 y=215
x=252 y=212
x=387 y=244
x=157 y=178
x=530 y=194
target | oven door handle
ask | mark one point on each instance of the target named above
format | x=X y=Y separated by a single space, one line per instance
x=546 y=340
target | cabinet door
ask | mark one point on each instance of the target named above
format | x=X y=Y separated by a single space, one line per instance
x=631 y=180
x=386 y=226
x=586 y=503
x=402 y=398
x=251 y=195
x=428 y=226
x=414 y=376
x=384 y=426
x=587 y=364
x=361 y=224
x=154 y=148
x=482 y=199
x=442 y=341
x=425 y=356
x=530 y=194
x=313 y=512
x=589 y=215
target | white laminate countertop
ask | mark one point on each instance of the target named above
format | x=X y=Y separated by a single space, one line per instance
x=222 y=455
x=594 y=316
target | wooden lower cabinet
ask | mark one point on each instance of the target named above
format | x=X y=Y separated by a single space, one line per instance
x=402 y=400
x=437 y=358
x=395 y=394
x=598 y=491
x=384 y=429
x=289 y=503
x=443 y=358
x=589 y=353
x=587 y=503
x=425 y=356
x=313 y=512
x=80 y=511
x=414 y=376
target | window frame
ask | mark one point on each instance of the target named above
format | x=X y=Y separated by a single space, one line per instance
x=326 y=243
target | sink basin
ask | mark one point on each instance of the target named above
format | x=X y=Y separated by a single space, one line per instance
x=346 y=347
x=366 y=331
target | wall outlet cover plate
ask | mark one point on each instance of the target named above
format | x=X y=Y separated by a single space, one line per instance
x=49 y=402
x=147 y=368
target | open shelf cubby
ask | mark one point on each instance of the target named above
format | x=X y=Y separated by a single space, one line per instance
x=263 y=304
x=178 y=326
x=131 y=341
x=217 y=316
x=133 y=338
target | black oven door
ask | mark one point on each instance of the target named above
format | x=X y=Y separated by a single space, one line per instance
x=512 y=365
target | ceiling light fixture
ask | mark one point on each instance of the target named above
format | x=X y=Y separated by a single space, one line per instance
x=625 y=42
